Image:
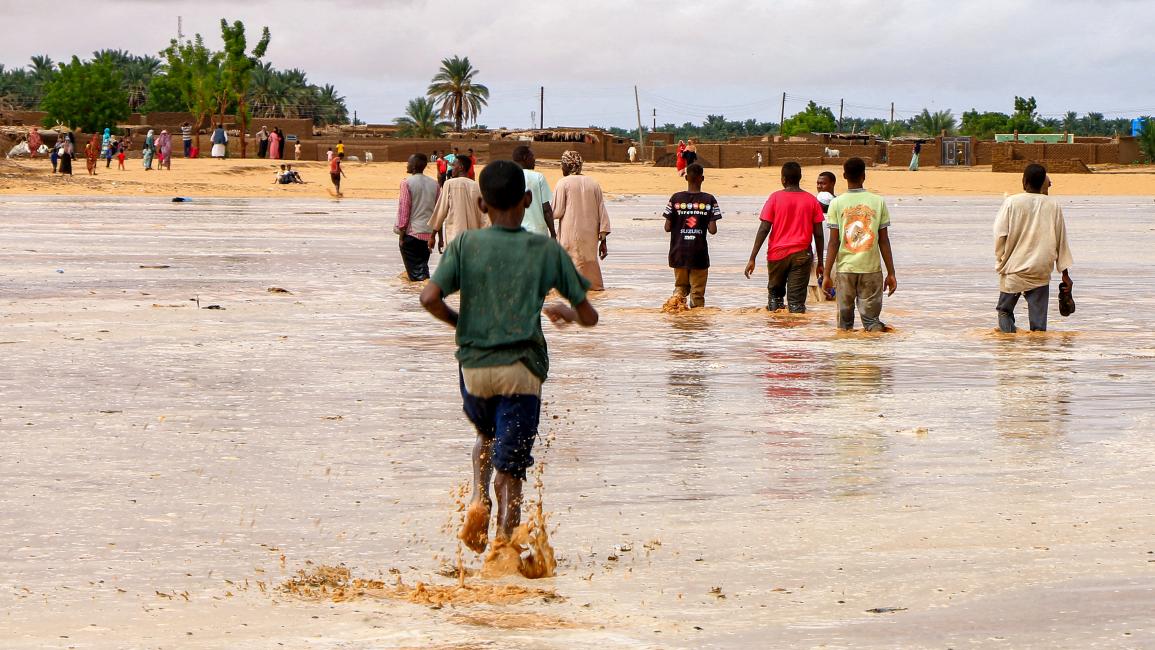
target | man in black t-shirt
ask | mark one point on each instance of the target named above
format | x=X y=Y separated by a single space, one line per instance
x=690 y=216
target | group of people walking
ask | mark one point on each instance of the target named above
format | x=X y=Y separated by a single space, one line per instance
x=505 y=271
x=432 y=214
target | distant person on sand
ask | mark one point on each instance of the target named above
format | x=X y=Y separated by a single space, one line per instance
x=503 y=274
x=859 y=245
x=297 y=150
x=758 y=159
x=186 y=138
x=680 y=161
x=583 y=223
x=67 y=151
x=539 y=215
x=1030 y=242
x=275 y=144
x=120 y=154
x=263 y=142
x=113 y=148
x=329 y=154
x=336 y=172
x=415 y=206
x=442 y=168
x=293 y=175
x=472 y=163
x=54 y=156
x=690 y=216
x=791 y=217
x=914 y=156
x=690 y=155
x=340 y=147
x=165 y=146
x=220 y=142
x=105 y=140
x=632 y=152
x=34 y=142
x=92 y=154
x=281 y=177
x=457 y=208
x=148 y=151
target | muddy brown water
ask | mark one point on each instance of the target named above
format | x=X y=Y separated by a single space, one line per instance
x=723 y=478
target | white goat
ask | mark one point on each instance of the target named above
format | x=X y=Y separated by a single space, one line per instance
x=832 y=153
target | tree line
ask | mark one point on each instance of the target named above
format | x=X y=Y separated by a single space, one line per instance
x=101 y=91
x=815 y=118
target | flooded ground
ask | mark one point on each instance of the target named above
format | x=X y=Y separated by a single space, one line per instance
x=725 y=478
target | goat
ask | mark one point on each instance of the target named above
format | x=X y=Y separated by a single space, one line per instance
x=833 y=153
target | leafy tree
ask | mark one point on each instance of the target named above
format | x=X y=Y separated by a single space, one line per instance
x=932 y=124
x=984 y=126
x=812 y=119
x=456 y=93
x=330 y=105
x=1025 y=118
x=237 y=67
x=1070 y=122
x=1147 y=139
x=164 y=96
x=196 y=71
x=85 y=95
x=421 y=120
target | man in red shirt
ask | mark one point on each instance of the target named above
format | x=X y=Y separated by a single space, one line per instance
x=791 y=218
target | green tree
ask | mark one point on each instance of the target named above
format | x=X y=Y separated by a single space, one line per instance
x=456 y=93
x=888 y=130
x=237 y=67
x=1147 y=139
x=1025 y=118
x=1070 y=122
x=812 y=119
x=196 y=72
x=933 y=124
x=331 y=107
x=984 y=126
x=88 y=96
x=421 y=120
x=163 y=96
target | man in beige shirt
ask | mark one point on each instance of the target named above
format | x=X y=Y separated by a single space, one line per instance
x=1030 y=242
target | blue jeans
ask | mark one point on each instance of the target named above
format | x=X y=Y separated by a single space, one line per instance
x=1037 y=300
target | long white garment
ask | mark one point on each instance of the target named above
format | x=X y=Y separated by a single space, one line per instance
x=1030 y=242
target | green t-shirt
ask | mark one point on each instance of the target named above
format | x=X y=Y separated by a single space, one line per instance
x=503 y=276
x=858 y=215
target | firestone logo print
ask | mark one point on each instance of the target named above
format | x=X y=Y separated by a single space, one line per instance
x=859 y=236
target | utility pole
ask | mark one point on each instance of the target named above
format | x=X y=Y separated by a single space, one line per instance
x=655 y=127
x=892 y=112
x=179 y=28
x=641 y=136
x=541 y=112
x=782 y=115
x=840 y=115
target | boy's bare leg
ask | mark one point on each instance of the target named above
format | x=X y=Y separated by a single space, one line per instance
x=475 y=531
x=508 y=491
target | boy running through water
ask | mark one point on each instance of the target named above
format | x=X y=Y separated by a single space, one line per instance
x=860 y=244
x=791 y=217
x=689 y=216
x=503 y=273
x=414 y=210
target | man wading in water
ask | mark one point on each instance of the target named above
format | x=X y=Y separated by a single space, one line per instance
x=503 y=273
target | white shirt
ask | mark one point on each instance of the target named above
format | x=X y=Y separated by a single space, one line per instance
x=534 y=220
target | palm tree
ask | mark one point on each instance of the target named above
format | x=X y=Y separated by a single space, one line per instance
x=455 y=93
x=1071 y=122
x=42 y=67
x=889 y=130
x=331 y=107
x=932 y=124
x=420 y=120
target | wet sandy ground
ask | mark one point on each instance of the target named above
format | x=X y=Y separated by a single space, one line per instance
x=725 y=478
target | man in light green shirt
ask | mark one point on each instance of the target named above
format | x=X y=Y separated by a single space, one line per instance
x=860 y=246
x=539 y=215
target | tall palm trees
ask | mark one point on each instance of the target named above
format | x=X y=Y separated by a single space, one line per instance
x=932 y=124
x=420 y=120
x=455 y=93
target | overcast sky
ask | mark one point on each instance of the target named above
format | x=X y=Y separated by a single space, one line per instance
x=689 y=59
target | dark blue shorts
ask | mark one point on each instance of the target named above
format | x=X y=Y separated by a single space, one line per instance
x=511 y=421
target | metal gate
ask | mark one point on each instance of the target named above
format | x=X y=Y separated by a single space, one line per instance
x=956 y=152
